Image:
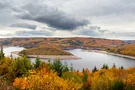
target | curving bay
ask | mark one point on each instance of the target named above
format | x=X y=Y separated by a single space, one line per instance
x=88 y=59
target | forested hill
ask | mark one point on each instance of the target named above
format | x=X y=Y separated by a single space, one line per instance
x=64 y=43
x=45 y=50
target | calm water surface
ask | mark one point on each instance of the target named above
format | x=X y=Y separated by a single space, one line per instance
x=88 y=59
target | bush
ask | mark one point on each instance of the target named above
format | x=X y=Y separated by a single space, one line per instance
x=42 y=80
x=118 y=85
x=5 y=84
x=20 y=67
x=5 y=65
x=74 y=79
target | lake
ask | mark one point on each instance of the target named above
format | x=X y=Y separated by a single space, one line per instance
x=88 y=59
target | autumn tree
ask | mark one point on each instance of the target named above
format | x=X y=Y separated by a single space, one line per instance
x=42 y=80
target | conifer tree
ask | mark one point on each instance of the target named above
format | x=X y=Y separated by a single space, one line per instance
x=37 y=62
x=94 y=69
x=1 y=53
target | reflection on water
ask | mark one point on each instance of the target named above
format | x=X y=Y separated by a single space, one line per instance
x=89 y=59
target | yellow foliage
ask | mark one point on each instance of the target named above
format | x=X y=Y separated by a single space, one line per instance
x=102 y=80
x=80 y=74
x=20 y=83
x=130 y=81
x=42 y=80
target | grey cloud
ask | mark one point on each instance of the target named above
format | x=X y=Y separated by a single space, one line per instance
x=51 y=16
x=24 y=25
x=91 y=31
x=3 y=4
x=29 y=34
x=95 y=31
x=101 y=7
x=109 y=14
x=34 y=33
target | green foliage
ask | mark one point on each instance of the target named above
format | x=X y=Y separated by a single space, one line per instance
x=71 y=68
x=85 y=77
x=1 y=53
x=49 y=61
x=73 y=79
x=94 y=69
x=20 y=66
x=121 y=67
x=37 y=62
x=83 y=70
x=105 y=66
x=118 y=85
x=65 y=67
x=21 y=72
x=59 y=67
x=71 y=76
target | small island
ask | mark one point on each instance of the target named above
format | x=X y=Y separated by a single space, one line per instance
x=48 y=52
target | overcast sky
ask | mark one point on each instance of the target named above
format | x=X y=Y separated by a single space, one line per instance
x=68 y=18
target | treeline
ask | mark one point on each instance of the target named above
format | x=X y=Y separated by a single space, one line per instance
x=128 y=49
x=63 y=43
x=21 y=74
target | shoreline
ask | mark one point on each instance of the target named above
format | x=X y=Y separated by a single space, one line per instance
x=53 y=57
x=72 y=57
x=113 y=54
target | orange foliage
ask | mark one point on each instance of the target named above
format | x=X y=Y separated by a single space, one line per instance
x=45 y=50
x=76 y=42
x=42 y=80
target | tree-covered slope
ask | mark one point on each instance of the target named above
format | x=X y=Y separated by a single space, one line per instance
x=45 y=50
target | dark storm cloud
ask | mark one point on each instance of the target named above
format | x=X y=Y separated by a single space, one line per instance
x=68 y=16
x=51 y=16
x=24 y=25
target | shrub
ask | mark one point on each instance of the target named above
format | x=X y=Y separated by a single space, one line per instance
x=5 y=84
x=5 y=65
x=42 y=80
x=20 y=67
x=118 y=85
